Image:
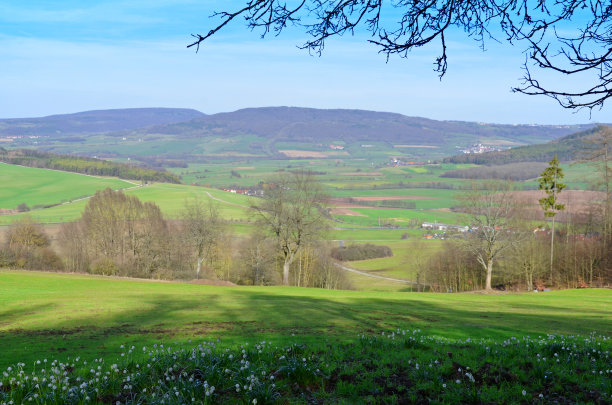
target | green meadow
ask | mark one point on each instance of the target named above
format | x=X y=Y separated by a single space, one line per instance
x=171 y=199
x=47 y=187
x=67 y=315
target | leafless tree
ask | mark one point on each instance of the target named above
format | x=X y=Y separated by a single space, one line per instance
x=291 y=212
x=492 y=212
x=203 y=230
x=566 y=37
x=598 y=153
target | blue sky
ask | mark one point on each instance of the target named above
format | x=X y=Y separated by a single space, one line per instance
x=69 y=56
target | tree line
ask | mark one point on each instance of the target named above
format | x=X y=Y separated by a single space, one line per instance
x=119 y=235
x=511 y=171
x=506 y=247
x=90 y=166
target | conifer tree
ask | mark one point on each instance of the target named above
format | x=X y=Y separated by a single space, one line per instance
x=550 y=183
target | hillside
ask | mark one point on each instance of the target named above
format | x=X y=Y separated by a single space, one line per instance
x=315 y=125
x=84 y=165
x=170 y=137
x=39 y=188
x=94 y=121
x=566 y=149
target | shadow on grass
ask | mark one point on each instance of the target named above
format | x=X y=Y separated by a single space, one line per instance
x=239 y=314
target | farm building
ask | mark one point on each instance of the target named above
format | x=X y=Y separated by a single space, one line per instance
x=445 y=227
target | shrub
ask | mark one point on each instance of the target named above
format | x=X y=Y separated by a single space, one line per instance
x=105 y=267
x=361 y=252
x=23 y=207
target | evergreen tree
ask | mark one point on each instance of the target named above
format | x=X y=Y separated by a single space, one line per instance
x=550 y=183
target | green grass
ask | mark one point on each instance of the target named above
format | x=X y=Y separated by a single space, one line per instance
x=34 y=186
x=408 y=257
x=46 y=314
x=169 y=197
x=395 y=366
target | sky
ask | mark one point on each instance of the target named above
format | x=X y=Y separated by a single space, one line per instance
x=62 y=56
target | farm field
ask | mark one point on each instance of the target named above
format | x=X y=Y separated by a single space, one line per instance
x=409 y=257
x=47 y=187
x=68 y=315
x=170 y=198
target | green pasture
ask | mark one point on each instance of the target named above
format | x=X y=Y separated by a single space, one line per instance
x=49 y=315
x=409 y=256
x=34 y=186
x=373 y=217
x=171 y=199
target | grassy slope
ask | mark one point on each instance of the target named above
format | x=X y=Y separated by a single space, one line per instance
x=170 y=198
x=47 y=314
x=41 y=186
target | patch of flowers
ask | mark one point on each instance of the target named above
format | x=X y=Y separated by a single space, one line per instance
x=394 y=366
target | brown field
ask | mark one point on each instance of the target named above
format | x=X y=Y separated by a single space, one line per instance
x=416 y=146
x=363 y=174
x=340 y=203
x=345 y=211
x=302 y=153
x=574 y=200
x=8 y=211
x=579 y=205
x=395 y=197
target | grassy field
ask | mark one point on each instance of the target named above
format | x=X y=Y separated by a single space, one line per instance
x=171 y=199
x=46 y=187
x=61 y=315
x=409 y=257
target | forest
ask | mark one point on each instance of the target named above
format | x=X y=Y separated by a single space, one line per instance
x=84 y=165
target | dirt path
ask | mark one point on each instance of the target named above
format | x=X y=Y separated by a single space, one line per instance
x=364 y=273
x=226 y=202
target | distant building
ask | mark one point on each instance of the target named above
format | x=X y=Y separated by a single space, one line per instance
x=336 y=147
x=445 y=227
x=480 y=148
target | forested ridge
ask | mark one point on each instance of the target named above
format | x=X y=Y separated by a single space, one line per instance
x=84 y=165
x=566 y=149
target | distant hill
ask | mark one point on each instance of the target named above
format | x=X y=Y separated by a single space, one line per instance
x=167 y=136
x=315 y=125
x=566 y=149
x=95 y=121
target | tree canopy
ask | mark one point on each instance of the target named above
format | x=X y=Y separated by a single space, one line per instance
x=566 y=37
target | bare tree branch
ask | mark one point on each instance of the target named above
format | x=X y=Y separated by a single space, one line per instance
x=564 y=37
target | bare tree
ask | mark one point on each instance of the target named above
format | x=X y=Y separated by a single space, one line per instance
x=597 y=152
x=492 y=212
x=203 y=230
x=24 y=235
x=291 y=211
x=257 y=258
x=120 y=229
x=566 y=37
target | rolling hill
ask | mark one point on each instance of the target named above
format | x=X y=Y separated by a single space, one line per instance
x=188 y=135
x=567 y=149
x=315 y=125
x=94 y=121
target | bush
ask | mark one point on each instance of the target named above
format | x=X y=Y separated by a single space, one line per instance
x=361 y=252
x=105 y=267
x=23 y=207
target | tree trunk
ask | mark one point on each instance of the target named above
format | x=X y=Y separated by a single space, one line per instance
x=199 y=267
x=489 y=272
x=286 y=265
x=552 y=247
